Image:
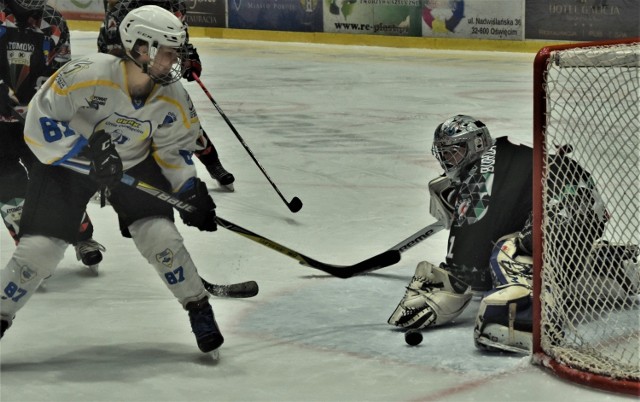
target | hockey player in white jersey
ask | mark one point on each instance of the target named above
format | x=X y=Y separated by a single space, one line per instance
x=95 y=118
x=109 y=42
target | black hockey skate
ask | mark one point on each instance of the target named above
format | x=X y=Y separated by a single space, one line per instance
x=90 y=253
x=204 y=326
x=220 y=174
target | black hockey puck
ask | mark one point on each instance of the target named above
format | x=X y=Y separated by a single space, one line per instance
x=413 y=337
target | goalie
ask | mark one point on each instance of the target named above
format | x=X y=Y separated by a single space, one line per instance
x=484 y=198
x=484 y=194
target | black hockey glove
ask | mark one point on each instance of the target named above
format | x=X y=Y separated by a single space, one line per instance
x=195 y=193
x=106 y=165
x=192 y=64
x=7 y=100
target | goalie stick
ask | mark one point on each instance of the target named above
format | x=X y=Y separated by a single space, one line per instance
x=418 y=236
x=381 y=260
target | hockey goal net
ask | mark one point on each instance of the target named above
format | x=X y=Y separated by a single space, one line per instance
x=587 y=213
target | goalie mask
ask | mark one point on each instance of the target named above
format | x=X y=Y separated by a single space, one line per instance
x=459 y=141
x=155 y=39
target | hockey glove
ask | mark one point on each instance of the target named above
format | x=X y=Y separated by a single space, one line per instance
x=192 y=64
x=195 y=193
x=106 y=165
x=7 y=100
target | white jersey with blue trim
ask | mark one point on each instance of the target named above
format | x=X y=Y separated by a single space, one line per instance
x=91 y=94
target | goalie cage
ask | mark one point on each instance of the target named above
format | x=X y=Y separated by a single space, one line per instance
x=586 y=321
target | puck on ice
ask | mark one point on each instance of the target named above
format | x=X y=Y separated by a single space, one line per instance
x=413 y=337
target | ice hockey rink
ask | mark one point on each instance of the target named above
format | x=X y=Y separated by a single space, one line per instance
x=348 y=131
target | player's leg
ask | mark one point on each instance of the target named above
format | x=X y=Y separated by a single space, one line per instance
x=56 y=198
x=151 y=225
x=13 y=177
x=211 y=160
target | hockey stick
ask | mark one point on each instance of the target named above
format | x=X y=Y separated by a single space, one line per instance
x=234 y=290
x=418 y=236
x=381 y=260
x=295 y=205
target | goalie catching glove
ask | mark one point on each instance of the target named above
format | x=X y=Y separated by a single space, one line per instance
x=434 y=297
x=195 y=193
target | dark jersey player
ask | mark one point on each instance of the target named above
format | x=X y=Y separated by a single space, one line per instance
x=34 y=43
x=484 y=194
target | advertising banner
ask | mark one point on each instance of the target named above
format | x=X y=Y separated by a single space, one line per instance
x=582 y=20
x=206 y=13
x=473 y=19
x=276 y=15
x=88 y=10
x=380 y=17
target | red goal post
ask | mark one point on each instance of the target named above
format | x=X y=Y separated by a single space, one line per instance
x=586 y=323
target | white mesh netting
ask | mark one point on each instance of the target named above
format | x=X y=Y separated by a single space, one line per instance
x=591 y=210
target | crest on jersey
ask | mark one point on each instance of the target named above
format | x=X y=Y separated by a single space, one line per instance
x=26 y=274
x=474 y=197
x=165 y=258
x=95 y=102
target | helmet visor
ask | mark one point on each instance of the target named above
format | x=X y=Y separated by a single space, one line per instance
x=166 y=63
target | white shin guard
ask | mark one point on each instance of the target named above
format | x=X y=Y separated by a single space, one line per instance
x=159 y=242
x=34 y=260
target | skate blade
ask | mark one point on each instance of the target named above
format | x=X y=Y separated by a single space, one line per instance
x=210 y=358
x=92 y=269
x=229 y=187
x=214 y=354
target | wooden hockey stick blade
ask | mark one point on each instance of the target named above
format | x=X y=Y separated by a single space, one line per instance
x=234 y=290
x=382 y=260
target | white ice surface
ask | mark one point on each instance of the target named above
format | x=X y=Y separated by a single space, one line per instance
x=348 y=131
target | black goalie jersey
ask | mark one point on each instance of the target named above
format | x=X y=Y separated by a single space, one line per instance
x=32 y=50
x=494 y=199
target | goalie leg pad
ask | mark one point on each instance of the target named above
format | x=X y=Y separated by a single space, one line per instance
x=504 y=320
x=158 y=240
x=34 y=260
x=433 y=297
x=508 y=265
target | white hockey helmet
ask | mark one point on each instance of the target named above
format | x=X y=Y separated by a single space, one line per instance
x=459 y=141
x=154 y=27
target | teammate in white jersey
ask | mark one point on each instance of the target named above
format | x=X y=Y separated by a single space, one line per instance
x=109 y=42
x=95 y=118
